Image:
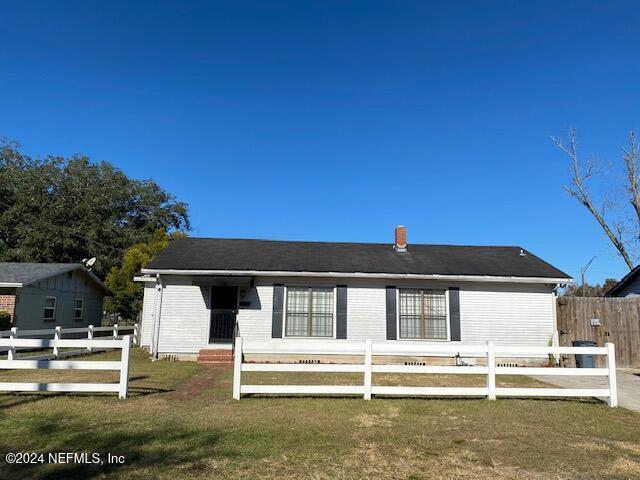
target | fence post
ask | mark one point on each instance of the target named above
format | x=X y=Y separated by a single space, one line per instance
x=555 y=342
x=237 y=369
x=491 y=371
x=368 y=360
x=136 y=334
x=115 y=331
x=56 y=336
x=611 y=365
x=90 y=337
x=124 y=366
x=11 y=354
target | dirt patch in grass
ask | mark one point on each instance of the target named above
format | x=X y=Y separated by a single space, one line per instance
x=194 y=386
x=181 y=422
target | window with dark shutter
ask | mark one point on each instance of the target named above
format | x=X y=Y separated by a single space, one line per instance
x=309 y=312
x=423 y=314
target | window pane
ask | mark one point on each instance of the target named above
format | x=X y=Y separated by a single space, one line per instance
x=410 y=313
x=297 y=311
x=322 y=312
x=435 y=314
x=49 y=308
x=79 y=303
x=428 y=306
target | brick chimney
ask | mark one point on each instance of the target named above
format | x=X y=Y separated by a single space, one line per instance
x=401 y=239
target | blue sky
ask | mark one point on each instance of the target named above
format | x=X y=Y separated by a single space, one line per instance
x=337 y=120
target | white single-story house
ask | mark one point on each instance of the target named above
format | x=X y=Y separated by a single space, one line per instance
x=202 y=292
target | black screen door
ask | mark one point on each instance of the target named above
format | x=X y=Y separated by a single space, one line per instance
x=224 y=305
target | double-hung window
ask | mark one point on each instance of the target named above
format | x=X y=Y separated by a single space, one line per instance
x=309 y=312
x=78 y=310
x=49 y=309
x=423 y=314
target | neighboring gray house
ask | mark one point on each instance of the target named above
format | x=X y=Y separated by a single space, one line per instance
x=42 y=295
x=629 y=285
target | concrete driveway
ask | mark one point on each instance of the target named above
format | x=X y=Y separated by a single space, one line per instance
x=628 y=385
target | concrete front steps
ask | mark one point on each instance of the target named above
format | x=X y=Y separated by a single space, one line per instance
x=221 y=357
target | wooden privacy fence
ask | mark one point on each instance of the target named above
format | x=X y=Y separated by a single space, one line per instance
x=368 y=349
x=115 y=332
x=601 y=320
x=121 y=365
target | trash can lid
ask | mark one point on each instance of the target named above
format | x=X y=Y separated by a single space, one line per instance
x=584 y=343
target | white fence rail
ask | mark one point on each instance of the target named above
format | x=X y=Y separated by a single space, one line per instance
x=121 y=365
x=367 y=349
x=115 y=332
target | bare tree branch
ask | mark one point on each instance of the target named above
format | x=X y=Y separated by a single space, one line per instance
x=579 y=191
x=630 y=155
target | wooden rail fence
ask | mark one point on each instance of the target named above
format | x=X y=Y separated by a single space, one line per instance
x=601 y=320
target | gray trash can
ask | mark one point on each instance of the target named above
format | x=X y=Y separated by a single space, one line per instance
x=585 y=360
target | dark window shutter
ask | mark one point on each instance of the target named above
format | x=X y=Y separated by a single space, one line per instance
x=278 y=307
x=454 y=313
x=341 y=307
x=391 y=314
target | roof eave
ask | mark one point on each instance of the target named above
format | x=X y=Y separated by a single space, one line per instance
x=268 y=273
x=624 y=281
x=71 y=268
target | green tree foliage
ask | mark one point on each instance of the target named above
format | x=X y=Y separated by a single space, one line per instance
x=5 y=320
x=127 y=294
x=59 y=209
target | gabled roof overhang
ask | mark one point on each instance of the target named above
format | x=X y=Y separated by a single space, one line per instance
x=459 y=278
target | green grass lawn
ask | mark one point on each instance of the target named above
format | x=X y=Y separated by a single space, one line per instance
x=180 y=422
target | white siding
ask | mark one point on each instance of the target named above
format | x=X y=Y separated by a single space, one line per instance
x=254 y=322
x=148 y=313
x=517 y=314
x=507 y=314
x=184 y=319
x=366 y=313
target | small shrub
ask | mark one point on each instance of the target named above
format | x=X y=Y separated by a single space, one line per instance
x=5 y=320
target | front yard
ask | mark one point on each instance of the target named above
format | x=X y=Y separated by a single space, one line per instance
x=180 y=422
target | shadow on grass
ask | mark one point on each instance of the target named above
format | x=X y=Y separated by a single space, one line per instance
x=15 y=400
x=168 y=446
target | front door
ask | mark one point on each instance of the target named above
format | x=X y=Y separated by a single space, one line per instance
x=224 y=307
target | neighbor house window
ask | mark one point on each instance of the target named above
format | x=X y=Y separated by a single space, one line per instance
x=50 y=309
x=423 y=314
x=309 y=312
x=78 y=310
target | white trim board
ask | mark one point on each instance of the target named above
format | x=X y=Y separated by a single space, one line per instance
x=413 y=276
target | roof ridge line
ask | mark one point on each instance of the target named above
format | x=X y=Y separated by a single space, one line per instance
x=325 y=242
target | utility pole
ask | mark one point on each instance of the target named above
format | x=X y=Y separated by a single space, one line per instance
x=583 y=270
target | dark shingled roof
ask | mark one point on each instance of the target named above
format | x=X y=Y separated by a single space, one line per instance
x=270 y=255
x=28 y=273
x=626 y=280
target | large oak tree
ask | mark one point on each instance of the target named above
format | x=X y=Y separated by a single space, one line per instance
x=57 y=209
